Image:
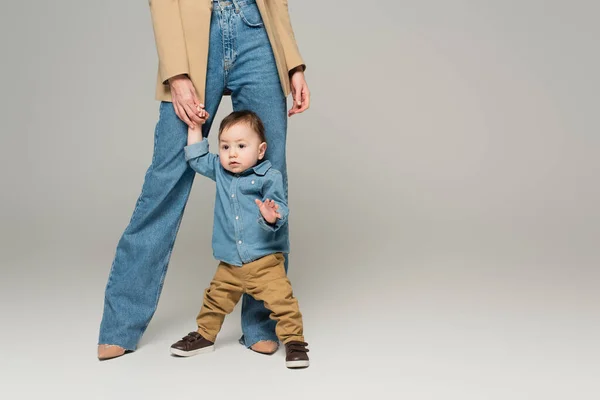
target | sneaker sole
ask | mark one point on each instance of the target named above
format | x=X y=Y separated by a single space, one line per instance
x=297 y=364
x=183 y=353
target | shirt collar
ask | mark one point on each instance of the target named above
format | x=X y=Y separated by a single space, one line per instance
x=259 y=169
x=262 y=168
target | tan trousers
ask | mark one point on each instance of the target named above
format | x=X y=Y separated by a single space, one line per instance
x=264 y=279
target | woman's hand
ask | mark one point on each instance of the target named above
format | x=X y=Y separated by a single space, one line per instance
x=185 y=102
x=300 y=92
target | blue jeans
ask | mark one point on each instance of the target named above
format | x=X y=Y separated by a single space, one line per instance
x=240 y=63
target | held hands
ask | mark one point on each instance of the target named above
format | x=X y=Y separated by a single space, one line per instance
x=195 y=133
x=268 y=209
x=185 y=102
x=300 y=92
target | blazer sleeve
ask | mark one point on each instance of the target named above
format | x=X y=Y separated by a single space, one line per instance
x=169 y=37
x=292 y=55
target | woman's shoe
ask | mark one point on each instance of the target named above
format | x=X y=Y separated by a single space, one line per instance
x=108 y=351
x=265 y=347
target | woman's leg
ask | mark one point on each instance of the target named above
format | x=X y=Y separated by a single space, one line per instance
x=138 y=271
x=143 y=252
x=254 y=84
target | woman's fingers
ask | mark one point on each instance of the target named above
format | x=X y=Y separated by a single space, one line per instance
x=192 y=114
x=300 y=94
x=183 y=115
x=305 y=99
x=298 y=98
x=196 y=103
x=295 y=106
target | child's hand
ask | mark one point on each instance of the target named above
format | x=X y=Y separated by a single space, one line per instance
x=195 y=134
x=268 y=209
x=203 y=114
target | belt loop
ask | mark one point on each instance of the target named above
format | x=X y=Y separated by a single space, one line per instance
x=236 y=5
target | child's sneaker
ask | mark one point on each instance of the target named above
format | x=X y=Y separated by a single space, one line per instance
x=295 y=354
x=191 y=345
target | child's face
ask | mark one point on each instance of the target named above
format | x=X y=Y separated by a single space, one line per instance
x=240 y=148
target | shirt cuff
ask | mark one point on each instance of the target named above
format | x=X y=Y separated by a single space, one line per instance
x=196 y=150
x=271 y=227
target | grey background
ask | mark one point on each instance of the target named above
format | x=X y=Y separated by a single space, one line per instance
x=444 y=198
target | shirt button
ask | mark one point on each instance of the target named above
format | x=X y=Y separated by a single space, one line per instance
x=232 y=195
x=237 y=217
x=240 y=242
x=252 y=182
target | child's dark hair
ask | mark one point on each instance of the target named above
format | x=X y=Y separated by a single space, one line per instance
x=246 y=117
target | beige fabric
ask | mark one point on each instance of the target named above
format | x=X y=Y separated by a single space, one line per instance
x=264 y=279
x=182 y=32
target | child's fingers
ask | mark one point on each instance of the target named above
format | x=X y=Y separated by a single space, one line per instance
x=204 y=116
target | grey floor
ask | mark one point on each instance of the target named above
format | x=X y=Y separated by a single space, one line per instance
x=423 y=328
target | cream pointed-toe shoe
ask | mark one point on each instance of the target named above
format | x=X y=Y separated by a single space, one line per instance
x=265 y=347
x=108 y=351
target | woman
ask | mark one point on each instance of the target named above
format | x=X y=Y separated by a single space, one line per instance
x=206 y=49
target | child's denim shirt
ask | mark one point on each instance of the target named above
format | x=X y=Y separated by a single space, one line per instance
x=240 y=233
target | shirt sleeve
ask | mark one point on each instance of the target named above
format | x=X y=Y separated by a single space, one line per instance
x=201 y=160
x=273 y=189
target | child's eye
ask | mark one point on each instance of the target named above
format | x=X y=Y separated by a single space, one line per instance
x=225 y=147
x=242 y=146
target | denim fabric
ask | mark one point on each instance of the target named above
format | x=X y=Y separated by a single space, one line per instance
x=241 y=64
x=240 y=233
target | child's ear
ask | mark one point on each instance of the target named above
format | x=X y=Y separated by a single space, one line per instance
x=262 y=149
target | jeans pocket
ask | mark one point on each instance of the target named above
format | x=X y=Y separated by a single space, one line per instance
x=250 y=14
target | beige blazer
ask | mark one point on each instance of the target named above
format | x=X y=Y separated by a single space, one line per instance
x=181 y=31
